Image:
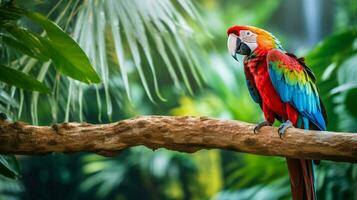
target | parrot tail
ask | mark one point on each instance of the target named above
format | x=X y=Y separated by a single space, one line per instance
x=301 y=178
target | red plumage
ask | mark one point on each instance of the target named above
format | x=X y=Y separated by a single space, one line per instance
x=257 y=71
x=300 y=171
x=258 y=78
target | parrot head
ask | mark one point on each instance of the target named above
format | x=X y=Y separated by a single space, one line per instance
x=248 y=40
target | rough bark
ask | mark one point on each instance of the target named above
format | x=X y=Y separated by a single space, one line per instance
x=186 y=134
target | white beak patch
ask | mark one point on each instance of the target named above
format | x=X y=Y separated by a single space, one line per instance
x=232 y=44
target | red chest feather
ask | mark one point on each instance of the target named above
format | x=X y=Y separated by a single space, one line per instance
x=272 y=105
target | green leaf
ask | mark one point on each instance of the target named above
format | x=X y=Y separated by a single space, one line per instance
x=9 y=166
x=333 y=49
x=334 y=44
x=21 y=80
x=8 y=13
x=17 y=45
x=26 y=42
x=68 y=57
x=350 y=102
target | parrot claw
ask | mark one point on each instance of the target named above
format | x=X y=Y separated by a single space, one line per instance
x=3 y=116
x=287 y=124
x=260 y=125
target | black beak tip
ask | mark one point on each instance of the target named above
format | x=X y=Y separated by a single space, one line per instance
x=242 y=48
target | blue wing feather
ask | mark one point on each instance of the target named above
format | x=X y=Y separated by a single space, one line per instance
x=294 y=84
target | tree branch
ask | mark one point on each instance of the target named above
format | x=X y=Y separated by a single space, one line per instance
x=186 y=134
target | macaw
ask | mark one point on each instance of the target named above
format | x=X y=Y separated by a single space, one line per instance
x=285 y=89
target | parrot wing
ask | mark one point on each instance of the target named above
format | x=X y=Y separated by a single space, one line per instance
x=253 y=91
x=295 y=84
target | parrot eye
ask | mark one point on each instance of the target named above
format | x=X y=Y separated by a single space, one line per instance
x=248 y=33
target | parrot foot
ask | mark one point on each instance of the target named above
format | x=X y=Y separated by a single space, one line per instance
x=260 y=125
x=287 y=124
x=3 y=116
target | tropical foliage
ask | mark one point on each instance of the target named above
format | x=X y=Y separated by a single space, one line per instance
x=100 y=61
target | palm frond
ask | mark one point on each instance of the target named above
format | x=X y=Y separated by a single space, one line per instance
x=126 y=41
x=10 y=189
x=134 y=27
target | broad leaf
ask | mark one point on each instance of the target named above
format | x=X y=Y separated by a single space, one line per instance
x=333 y=49
x=21 y=80
x=350 y=102
x=26 y=42
x=9 y=166
x=334 y=44
x=68 y=57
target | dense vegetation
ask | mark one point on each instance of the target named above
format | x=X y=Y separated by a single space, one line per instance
x=162 y=57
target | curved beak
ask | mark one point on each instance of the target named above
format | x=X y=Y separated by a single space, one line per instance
x=232 y=45
x=236 y=46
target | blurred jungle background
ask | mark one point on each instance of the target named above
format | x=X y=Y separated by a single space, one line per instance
x=163 y=57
